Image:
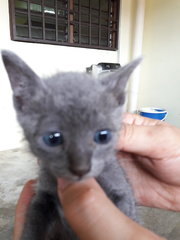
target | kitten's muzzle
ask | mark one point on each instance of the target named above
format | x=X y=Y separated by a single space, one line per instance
x=79 y=162
x=79 y=166
x=79 y=171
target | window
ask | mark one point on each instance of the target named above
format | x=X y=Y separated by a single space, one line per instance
x=81 y=23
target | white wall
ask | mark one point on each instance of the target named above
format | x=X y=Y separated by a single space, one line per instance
x=160 y=80
x=46 y=59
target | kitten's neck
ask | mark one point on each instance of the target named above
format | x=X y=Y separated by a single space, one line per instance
x=47 y=182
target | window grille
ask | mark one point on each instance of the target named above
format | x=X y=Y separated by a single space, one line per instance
x=81 y=23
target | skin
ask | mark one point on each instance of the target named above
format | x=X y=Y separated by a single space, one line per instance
x=151 y=156
x=21 y=208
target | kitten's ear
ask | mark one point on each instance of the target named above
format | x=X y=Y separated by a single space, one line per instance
x=24 y=81
x=116 y=82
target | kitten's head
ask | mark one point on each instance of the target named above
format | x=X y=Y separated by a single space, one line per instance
x=71 y=120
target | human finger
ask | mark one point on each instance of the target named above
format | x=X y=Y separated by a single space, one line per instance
x=136 y=119
x=21 y=208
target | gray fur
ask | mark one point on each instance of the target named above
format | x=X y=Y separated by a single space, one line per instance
x=77 y=105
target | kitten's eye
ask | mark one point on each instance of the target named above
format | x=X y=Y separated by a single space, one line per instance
x=102 y=136
x=53 y=139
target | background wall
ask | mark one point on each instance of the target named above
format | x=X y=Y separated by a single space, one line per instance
x=160 y=74
x=46 y=59
x=160 y=78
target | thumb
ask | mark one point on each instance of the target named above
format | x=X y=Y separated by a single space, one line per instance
x=92 y=215
x=87 y=210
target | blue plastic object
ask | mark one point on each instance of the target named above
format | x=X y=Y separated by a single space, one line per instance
x=155 y=113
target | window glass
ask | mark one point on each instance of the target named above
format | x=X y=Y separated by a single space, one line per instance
x=95 y=4
x=62 y=31
x=95 y=16
x=37 y=33
x=35 y=7
x=76 y=33
x=36 y=21
x=104 y=5
x=21 y=4
x=22 y=31
x=21 y=19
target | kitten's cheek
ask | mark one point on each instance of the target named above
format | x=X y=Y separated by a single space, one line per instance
x=97 y=167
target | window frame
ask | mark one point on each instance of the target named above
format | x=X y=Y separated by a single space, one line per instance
x=70 y=24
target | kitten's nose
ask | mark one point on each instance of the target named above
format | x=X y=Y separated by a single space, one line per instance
x=79 y=171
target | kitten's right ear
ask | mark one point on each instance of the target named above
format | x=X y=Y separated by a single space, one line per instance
x=24 y=81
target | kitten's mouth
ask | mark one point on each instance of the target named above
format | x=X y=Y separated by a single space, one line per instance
x=75 y=175
x=80 y=171
x=76 y=178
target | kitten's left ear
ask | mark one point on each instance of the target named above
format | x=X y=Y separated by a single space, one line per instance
x=116 y=82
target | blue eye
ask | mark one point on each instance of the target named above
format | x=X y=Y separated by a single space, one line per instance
x=53 y=139
x=102 y=136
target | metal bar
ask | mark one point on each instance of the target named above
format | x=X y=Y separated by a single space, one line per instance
x=118 y=23
x=114 y=11
x=43 y=19
x=80 y=22
x=70 y=22
x=90 y=19
x=109 y=20
x=12 y=14
x=22 y=39
x=99 y=40
x=56 y=14
x=29 y=19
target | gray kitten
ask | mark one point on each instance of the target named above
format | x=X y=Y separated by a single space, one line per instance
x=71 y=121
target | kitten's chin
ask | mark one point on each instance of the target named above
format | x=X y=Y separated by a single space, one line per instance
x=74 y=178
x=64 y=182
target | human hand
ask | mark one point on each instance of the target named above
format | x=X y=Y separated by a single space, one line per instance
x=150 y=155
x=89 y=212
x=21 y=208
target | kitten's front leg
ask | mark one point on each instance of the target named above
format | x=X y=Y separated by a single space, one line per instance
x=41 y=215
x=45 y=218
x=117 y=188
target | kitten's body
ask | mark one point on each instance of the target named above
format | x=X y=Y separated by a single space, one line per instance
x=78 y=107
